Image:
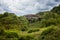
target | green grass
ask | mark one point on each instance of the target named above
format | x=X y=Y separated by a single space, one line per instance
x=25 y=33
x=33 y=34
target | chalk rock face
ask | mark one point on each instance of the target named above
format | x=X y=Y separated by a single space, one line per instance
x=33 y=18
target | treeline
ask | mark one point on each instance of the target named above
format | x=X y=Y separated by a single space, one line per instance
x=11 y=21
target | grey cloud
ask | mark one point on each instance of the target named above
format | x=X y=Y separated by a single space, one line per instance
x=23 y=7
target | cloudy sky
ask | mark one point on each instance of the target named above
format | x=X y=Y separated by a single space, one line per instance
x=23 y=7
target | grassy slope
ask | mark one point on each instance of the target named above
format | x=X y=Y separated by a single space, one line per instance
x=25 y=33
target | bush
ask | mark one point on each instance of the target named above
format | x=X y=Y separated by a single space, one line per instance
x=11 y=35
x=1 y=32
x=50 y=34
x=35 y=30
x=26 y=38
x=47 y=31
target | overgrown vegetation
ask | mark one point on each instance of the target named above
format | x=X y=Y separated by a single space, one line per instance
x=43 y=26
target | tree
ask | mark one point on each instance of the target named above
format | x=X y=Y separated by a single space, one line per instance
x=56 y=9
x=23 y=23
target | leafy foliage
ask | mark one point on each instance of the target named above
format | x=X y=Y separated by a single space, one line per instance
x=13 y=27
x=56 y=9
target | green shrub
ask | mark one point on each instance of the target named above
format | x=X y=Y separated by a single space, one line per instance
x=33 y=30
x=26 y=38
x=11 y=35
x=47 y=31
x=50 y=34
x=21 y=38
x=1 y=32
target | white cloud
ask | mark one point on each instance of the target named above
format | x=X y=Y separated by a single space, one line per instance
x=23 y=7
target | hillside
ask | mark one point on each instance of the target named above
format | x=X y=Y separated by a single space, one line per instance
x=42 y=26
